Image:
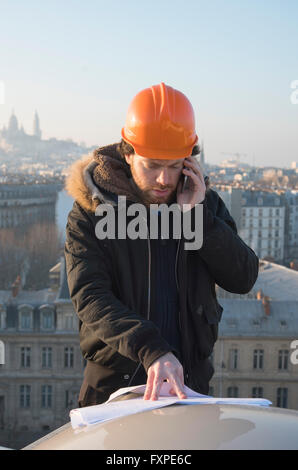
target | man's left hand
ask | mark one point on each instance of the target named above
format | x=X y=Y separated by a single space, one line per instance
x=194 y=193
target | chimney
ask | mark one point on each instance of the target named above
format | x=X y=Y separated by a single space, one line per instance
x=294 y=265
x=259 y=294
x=15 y=288
x=266 y=305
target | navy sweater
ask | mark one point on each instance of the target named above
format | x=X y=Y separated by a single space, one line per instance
x=164 y=306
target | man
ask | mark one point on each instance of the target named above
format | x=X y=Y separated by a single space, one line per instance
x=147 y=307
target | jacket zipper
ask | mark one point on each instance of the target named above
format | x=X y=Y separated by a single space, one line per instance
x=176 y=277
x=148 y=300
x=149 y=287
x=179 y=316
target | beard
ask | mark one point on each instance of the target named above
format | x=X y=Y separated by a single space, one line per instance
x=145 y=193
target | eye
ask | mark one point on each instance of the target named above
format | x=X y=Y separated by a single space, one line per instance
x=152 y=166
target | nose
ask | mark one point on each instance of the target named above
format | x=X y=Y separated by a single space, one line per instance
x=163 y=177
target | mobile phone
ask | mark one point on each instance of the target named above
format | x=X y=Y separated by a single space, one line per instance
x=185 y=178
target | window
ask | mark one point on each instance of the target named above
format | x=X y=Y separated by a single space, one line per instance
x=232 y=392
x=282 y=397
x=25 y=356
x=46 y=357
x=2 y=318
x=25 y=391
x=25 y=317
x=283 y=359
x=257 y=392
x=46 y=396
x=2 y=353
x=47 y=318
x=68 y=321
x=233 y=358
x=258 y=359
x=68 y=357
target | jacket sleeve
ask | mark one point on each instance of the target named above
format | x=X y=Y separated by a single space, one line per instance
x=233 y=265
x=90 y=288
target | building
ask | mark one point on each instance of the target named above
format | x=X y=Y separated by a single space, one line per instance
x=232 y=197
x=24 y=204
x=253 y=355
x=43 y=370
x=291 y=233
x=263 y=223
x=20 y=150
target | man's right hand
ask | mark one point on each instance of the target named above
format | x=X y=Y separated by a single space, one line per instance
x=166 y=367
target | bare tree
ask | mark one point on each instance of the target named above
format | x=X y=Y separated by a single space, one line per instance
x=29 y=252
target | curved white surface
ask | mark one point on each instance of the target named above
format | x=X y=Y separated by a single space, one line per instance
x=184 y=427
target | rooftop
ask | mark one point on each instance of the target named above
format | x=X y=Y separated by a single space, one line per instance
x=276 y=281
x=249 y=318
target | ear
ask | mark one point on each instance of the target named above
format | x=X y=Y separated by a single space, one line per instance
x=128 y=158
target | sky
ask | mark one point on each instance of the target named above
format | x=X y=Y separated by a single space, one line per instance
x=79 y=64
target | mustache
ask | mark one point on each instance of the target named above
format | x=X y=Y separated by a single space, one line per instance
x=163 y=189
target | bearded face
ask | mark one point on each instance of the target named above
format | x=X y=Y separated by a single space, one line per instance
x=155 y=180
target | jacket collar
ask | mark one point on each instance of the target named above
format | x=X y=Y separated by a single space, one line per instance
x=100 y=177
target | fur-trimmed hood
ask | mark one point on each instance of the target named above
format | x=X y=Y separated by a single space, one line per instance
x=101 y=176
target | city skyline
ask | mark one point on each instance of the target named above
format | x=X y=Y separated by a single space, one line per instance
x=18 y=128
x=235 y=62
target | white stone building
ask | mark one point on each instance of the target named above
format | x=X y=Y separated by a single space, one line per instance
x=253 y=355
x=263 y=223
x=43 y=370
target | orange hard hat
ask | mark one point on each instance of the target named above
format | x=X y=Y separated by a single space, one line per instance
x=160 y=123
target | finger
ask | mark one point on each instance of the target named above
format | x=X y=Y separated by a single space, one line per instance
x=178 y=387
x=195 y=178
x=195 y=166
x=156 y=388
x=181 y=376
x=149 y=386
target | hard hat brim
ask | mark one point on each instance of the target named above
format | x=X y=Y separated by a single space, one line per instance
x=163 y=154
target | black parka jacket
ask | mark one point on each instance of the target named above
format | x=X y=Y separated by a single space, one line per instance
x=109 y=284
